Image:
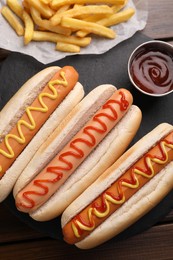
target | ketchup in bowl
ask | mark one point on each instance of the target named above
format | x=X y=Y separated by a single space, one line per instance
x=151 y=68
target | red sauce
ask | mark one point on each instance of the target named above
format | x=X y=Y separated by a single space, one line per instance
x=116 y=190
x=76 y=151
x=87 y=131
x=152 y=71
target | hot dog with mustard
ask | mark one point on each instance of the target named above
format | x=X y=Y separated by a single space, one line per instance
x=131 y=187
x=29 y=118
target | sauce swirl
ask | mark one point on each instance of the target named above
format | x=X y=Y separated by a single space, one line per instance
x=152 y=71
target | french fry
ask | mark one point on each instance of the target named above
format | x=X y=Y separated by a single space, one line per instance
x=44 y=9
x=46 y=24
x=26 y=6
x=117 y=18
x=67 y=47
x=15 y=7
x=117 y=8
x=63 y=8
x=114 y=19
x=81 y=10
x=77 y=6
x=97 y=29
x=45 y=1
x=96 y=17
x=57 y=3
x=54 y=37
x=29 y=27
x=12 y=20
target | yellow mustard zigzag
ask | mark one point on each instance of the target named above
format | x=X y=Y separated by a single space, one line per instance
x=21 y=138
x=108 y=198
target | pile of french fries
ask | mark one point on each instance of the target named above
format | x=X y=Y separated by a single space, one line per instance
x=70 y=24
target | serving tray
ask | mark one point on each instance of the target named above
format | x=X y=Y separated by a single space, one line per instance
x=110 y=67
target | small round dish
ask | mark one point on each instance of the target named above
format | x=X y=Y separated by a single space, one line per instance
x=150 y=68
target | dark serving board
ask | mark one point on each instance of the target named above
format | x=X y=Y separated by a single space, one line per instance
x=110 y=67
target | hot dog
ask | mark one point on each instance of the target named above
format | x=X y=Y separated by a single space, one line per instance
x=68 y=128
x=131 y=187
x=39 y=197
x=29 y=118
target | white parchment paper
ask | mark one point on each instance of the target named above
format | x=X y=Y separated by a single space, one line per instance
x=45 y=51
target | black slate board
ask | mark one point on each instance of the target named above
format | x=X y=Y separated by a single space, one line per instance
x=110 y=67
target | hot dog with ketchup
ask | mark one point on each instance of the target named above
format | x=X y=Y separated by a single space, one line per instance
x=131 y=187
x=26 y=122
x=45 y=186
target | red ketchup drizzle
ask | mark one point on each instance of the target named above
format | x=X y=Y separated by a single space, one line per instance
x=152 y=71
x=76 y=151
x=118 y=187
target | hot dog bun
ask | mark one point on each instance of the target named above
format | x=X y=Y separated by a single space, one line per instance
x=16 y=107
x=136 y=206
x=71 y=124
x=80 y=179
x=95 y=164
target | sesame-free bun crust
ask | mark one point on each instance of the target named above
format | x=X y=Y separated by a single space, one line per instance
x=16 y=107
x=138 y=205
x=63 y=133
x=105 y=154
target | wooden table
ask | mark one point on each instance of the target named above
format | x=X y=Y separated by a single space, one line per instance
x=19 y=241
